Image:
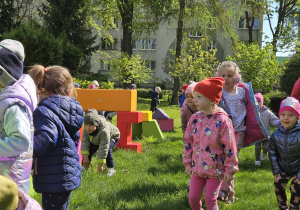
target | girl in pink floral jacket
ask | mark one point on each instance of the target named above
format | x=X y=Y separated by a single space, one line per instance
x=209 y=153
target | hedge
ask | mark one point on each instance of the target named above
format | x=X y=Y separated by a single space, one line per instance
x=273 y=100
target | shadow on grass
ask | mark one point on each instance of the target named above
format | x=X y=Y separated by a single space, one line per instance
x=168 y=164
x=248 y=165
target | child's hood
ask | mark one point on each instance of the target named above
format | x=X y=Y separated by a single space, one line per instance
x=92 y=117
x=24 y=89
x=67 y=109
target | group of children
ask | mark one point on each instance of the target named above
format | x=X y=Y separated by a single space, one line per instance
x=229 y=116
x=40 y=121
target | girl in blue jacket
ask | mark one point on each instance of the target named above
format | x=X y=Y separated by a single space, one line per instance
x=57 y=121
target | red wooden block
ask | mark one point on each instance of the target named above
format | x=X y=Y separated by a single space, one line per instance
x=124 y=123
x=166 y=124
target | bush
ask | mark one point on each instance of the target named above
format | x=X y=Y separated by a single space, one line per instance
x=165 y=95
x=291 y=74
x=273 y=100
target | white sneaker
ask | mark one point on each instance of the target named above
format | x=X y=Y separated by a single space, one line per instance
x=263 y=156
x=257 y=163
x=110 y=171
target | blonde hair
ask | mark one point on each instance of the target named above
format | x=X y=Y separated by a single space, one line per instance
x=228 y=65
x=52 y=80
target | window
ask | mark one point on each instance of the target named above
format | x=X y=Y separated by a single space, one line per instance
x=151 y=65
x=107 y=45
x=147 y=44
x=243 y=23
x=195 y=34
x=104 y=66
x=211 y=46
x=134 y=44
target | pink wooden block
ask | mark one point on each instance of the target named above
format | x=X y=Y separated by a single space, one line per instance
x=79 y=146
x=166 y=124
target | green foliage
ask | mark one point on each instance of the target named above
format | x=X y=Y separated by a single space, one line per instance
x=147 y=93
x=129 y=69
x=86 y=80
x=291 y=74
x=273 y=100
x=194 y=63
x=260 y=66
x=107 y=85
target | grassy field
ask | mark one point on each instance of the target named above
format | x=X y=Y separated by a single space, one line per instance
x=155 y=178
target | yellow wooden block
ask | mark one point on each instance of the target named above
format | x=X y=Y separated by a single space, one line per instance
x=107 y=100
x=147 y=115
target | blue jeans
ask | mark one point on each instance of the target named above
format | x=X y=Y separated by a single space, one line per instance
x=56 y=201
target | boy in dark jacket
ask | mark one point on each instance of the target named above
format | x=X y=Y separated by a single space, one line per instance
x=284 y=153
x=99 y=135
x=155 y=99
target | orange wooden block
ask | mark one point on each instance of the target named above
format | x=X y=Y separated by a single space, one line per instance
x=107 y=100
x=147 y=116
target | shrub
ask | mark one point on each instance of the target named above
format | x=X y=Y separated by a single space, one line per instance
x=107 y=85
x=165 y=95
x=273 y=100
x=291 y=74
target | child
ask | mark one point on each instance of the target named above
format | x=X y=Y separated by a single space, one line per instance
x=284 y=153
x=267 y=117
x=296 y=90
x=95 y=85
x=238 y=101
x=17 y=101
x=184 y=87
x=57 y=120
x=155 y=99
x=132 y=87
x=209 y=153
x=191 y=107
x=99 y=135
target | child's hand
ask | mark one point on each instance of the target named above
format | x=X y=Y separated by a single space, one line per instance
x=188 y=170
x=86 y=162
x=100 y=168
x=228 y=177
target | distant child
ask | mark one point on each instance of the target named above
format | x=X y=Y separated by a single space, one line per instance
x=184 y=87
x=267 y=118
x=284 y=154
x=95 y=85
x=155 y=99
x=191 y=107
x=17 y=101
x=57 y=120
x=241 y=108
x=209 y=153
x=99 y=135
x=132 y=87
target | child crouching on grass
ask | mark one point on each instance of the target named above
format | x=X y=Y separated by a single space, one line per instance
x=99 y=135
x=210 y=153
x=284 y=153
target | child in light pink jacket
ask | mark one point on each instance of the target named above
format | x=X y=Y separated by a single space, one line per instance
x=210 y=153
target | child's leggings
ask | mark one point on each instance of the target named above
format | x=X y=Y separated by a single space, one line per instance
x=228 y=189
x=280 y=182
x=56 y=201
x=211 y=192
x=264 y=145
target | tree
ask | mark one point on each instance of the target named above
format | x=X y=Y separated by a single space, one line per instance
x=129 y=69
x=281 y=32
x=69 y=18
x=291 y=74
x=260 y=66
x=195 y=62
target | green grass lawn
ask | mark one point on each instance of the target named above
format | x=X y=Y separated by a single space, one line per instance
x=155 y=178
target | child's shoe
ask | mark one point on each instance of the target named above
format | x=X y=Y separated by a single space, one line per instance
x=263 y=156
x=257 y=163
x=110 y=171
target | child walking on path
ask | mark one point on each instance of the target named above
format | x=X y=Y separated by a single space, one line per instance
x=17 y=101
x=267 y=117
x=155 y=99
x=284 y=153
x=57 y=120
x=209 y=153
x=99 y=135
x=191 y=107
x=239 y=103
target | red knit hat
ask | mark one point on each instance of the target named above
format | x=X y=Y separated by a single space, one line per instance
x=184 y=87
x=211 y=88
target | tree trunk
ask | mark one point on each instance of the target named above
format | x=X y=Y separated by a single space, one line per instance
x=250 y=26
x=179 y=38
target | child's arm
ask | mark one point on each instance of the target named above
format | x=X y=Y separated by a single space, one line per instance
x=85 y=143
x=16 y=126
x=184 y=121
x=274 y=157
x=46 y=133
x=227 y=140
x=188 y=142
x=274 y=120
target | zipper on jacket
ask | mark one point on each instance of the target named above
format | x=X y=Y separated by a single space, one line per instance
x=285 y=150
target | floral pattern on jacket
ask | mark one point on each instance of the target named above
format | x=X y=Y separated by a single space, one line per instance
x=209 y=145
